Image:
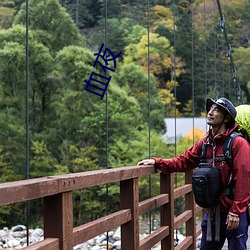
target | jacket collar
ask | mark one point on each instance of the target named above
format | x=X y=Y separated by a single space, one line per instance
x=221 y=136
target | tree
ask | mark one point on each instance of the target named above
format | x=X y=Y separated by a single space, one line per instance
x=161 y=16
x=84 y=13
x=132 y=78
x=40 y=60
x=6 y=17
x=160 y=54
x=242 y=65
x=53 y=25
x=118 y=34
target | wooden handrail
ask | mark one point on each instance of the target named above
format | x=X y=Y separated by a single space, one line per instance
x=56 y=191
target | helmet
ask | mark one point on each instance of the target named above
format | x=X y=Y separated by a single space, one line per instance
x=223 y=103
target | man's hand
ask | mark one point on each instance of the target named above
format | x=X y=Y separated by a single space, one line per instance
x=232 y=221
x=146 y=162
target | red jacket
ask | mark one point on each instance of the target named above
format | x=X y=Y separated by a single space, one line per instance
x=241 y=167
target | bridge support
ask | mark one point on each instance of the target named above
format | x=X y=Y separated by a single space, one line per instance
x=58 y=219
x=190 y=205
x=130 y=199
x=167 y=210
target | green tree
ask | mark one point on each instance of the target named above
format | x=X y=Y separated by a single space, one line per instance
x=6 y=17
x=242 y=64
x=53 y=25
x=42 y=163
x=84 y=13
x=160 y=54
x=118 y=30
x=12 y=125
x=132 y=78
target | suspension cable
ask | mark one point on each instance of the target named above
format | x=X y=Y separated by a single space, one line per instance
x=175 y=95
x=222 y=68
x=205 y=50
x=174 y=73
x=106 y=116
x=27 y=207
x=192 y=76
x=215 y=52
x=229 y=53
x=149 y=120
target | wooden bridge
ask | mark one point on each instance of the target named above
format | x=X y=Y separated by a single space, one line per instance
x=56 y=192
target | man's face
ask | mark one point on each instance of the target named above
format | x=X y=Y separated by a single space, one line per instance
x=215 y=116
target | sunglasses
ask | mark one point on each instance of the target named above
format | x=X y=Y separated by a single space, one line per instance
x=221 y=102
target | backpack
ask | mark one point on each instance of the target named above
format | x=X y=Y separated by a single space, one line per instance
x=243 y=120
x=206 y=179
x=206 y=185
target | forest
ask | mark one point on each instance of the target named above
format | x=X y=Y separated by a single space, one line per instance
x=174 y=56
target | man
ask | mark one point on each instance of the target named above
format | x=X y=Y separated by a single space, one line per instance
x=221 y=115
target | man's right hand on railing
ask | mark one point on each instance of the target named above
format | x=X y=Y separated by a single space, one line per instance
x=146 y=162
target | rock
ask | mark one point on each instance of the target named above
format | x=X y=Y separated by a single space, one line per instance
x=111 y=233
x=3 y=233
x=95 y=248
x=111 y=239
x=16 y=238
x=38 y=232
x=13 y=243
x=23 y=240
x=117 y=245
x=18 y=228
x=117 y=234
x=100 y=238
x=91 y=242
x=103 y=243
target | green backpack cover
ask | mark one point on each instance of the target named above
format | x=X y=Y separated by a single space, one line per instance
x=243 y=119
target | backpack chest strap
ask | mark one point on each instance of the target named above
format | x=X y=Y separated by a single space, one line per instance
x=217 y=159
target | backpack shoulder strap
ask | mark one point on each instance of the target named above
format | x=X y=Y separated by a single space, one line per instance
x=227 y=148
x=203 y=152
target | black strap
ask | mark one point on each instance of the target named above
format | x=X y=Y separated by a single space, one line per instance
x=227 y=151
x=227 y=148
x=203 y=152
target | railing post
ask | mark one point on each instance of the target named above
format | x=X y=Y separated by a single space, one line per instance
x=129 y=198
x=58 y=219
x=167 y=210
x=190 y=205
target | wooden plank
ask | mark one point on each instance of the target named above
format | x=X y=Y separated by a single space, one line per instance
x=58 y=219
x=185 y=244
x=46 y=244
x=99 y=177
x=190 y=205
x=182 y=218
x=154 y=238
x=90 y=230
x=152 y=203
x=129 y=196
x=24 y=190
x=198 y=231
x=178 y=192
x=198 y=209
x=167 y=210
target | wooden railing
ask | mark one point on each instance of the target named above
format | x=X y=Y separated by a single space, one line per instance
x=59 y=232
